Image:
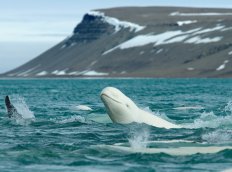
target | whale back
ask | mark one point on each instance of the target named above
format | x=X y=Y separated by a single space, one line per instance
x=153 y=120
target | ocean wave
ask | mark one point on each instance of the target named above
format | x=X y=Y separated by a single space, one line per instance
x=211 y=120
x=219 y=136
x=70 y=119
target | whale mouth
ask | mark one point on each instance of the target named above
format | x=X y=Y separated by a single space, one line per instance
x=105 y=95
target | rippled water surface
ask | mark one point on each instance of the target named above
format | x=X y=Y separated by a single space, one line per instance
x=65 y=136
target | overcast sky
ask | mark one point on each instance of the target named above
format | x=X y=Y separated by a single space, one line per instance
x=28 y=28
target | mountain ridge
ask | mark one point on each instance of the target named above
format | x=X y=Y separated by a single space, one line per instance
x=141 y=42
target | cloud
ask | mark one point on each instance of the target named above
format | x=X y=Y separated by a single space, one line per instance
x=33 y=31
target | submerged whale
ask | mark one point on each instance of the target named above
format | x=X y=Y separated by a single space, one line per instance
x=11 y=110
x=121 y=109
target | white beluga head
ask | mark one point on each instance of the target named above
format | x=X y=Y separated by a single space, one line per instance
x=119 y=107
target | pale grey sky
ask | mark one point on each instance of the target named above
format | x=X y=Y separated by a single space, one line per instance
x=28 y=28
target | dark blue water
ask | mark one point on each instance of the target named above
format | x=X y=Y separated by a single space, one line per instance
x=63 y=137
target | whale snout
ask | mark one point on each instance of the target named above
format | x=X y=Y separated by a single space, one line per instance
x=110 y=92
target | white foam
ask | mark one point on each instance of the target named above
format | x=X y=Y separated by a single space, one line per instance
x=139 y=139
x=72 y=119
x=181 y=23
x=218 y=136
x=228 y=107
x=22 y=107
x=227 y=170
x=84 y=108
x=43 y=73
x=177 y=13
x=172 y=141
x=189 y=108
x=210 y=120
x=230 y=53
x=117 y=23
x=24 y=116
x=159 y=141
x=179 y=151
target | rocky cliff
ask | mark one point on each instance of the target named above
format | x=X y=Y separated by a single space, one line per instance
x=141 y=42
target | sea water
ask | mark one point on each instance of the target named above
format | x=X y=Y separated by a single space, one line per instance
x=65 y=126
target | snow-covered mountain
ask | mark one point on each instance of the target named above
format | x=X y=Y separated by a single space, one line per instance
x=141 y=42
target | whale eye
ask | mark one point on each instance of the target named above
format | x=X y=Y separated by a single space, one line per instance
x=127 y=105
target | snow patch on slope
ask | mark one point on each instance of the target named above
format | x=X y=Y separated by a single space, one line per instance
x=43 y=73
x=177 y=13
x=117 y=23
x=216 y=28
x=169 y=37
x=94 y=73
x=199 y=40
x=190 y=68
x=222 y=66
x=59 y=73
x=181 y=23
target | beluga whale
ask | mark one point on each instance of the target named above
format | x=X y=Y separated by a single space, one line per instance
x=121 y=109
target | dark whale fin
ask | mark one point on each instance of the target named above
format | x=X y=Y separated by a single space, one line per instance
x=11 y=110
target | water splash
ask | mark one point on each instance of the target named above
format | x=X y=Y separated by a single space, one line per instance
x=24 y=116
x=75 y=118
x=139 y=138
x=210 y=120
x=189 y=108
x=228 y=108
x=218 y=136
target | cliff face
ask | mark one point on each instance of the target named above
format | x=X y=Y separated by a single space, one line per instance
x=91 y=28
x=141 y=42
